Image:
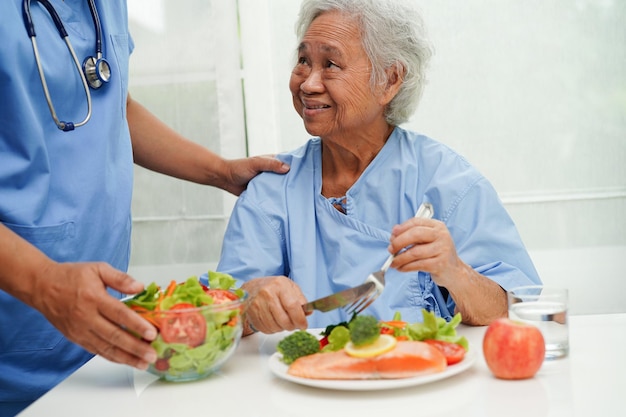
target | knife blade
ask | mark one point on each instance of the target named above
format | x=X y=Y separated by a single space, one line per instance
x=338 y=299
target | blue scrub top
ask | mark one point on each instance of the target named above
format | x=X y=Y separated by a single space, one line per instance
x=68 y=193
x=282 y=225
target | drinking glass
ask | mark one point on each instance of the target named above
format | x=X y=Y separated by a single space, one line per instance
x=546 y=308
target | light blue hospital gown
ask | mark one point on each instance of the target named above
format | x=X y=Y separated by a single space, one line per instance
x=282 y=225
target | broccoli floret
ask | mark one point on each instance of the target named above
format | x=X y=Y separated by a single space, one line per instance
x=297 y=344
x=364 y=330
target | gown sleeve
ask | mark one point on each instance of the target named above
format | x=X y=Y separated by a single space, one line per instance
x=251 y=241
x=487 y=239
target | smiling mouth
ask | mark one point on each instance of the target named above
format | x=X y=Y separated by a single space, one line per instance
x=316 y=107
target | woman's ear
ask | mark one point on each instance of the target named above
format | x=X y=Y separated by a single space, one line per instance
x=395 y=77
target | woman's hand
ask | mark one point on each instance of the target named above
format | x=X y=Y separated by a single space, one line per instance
x=431 y=249
x=275 y=304
x=241 y=171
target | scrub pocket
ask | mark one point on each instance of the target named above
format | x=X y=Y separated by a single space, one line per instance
x=46 y=238
x=27 y=329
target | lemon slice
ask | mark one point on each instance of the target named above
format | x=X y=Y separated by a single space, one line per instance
x=382 y=345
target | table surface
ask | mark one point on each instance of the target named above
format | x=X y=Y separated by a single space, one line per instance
x=590 y=382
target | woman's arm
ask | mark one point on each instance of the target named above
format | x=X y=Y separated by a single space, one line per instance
x=159 y=148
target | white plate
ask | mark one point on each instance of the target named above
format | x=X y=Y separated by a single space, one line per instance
x=280 y=370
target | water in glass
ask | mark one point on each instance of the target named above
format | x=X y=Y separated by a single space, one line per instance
x=546 y=308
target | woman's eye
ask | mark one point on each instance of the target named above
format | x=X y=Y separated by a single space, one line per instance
x=331 y=64
x=301 y=60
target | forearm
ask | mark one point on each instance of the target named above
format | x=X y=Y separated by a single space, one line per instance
x=479 y=299
x=22 y=264
x=159 y=148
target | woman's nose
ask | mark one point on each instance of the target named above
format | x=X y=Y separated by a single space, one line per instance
x=312 y=82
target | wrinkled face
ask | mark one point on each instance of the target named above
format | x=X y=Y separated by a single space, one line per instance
x=330 y=83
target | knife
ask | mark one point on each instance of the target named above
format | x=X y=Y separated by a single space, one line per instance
x=339 y=299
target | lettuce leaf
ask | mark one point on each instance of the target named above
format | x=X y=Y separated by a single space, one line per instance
x=437 y=328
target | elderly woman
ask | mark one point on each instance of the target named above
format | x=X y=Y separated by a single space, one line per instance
x=353 y=189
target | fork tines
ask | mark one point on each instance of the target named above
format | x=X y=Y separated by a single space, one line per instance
x=368 y=298
x=361 y=304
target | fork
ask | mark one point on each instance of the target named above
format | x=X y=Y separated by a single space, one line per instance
x=378 y=278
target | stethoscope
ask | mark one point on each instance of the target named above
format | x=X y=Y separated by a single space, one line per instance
x=95 y=70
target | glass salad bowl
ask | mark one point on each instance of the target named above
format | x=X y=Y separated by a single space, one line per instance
x=198 y=328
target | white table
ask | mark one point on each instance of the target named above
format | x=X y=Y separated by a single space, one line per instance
x=591 y=382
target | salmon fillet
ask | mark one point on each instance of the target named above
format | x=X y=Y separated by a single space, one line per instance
x=407 y=359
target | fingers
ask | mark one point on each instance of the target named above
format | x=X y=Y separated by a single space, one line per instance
x=270 y=163
x=416 y=258
x=241 y=171
x=119 y=334
x=119 y=281
x=117 y=345
x=275 y=305
x=283 y=315
x=423 y=245
x=275 y=317
x=413 y=231
x=122 y=328
x=99 y=328
x=116 y=312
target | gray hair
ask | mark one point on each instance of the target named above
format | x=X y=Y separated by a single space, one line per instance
x=393 y=34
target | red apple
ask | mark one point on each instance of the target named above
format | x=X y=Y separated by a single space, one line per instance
x=513 y=349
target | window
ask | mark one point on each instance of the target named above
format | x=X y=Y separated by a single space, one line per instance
x=186 y=69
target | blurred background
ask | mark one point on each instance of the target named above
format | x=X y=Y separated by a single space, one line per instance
x=532 y=93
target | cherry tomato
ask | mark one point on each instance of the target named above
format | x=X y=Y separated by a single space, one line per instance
x=387 y=330
x=453 y=352
x=188 y=328
x=221 y=296
x=393 y=328
x=162 y=365
x=323 y=341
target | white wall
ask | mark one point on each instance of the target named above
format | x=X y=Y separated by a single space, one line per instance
x=595 y=276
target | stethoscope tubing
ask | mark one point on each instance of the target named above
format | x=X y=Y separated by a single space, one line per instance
x=64 y=126
x=96 y=23
x=28 y=18
x=30 y=29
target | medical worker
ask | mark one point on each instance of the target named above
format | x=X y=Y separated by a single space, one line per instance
x=68 y=140
x=353 y=189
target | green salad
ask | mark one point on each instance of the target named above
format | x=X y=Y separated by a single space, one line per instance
x=198 y=326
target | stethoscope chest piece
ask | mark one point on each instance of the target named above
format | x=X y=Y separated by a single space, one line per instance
x=97 y=71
